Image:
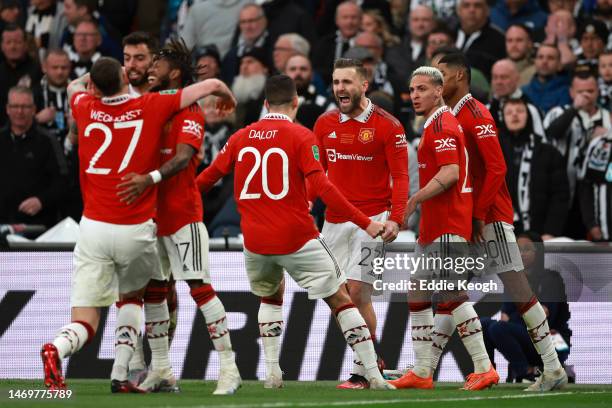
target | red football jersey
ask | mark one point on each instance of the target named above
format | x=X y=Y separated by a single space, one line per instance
x=487 y=165
x=366 y=158
x=179 y=201
x=271 y=159
x=450 y=212
x=118 y=136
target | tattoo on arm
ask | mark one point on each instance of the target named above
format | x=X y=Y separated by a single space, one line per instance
x=178 y=162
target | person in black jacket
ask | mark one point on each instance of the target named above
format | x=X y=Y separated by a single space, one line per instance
x=510 y=336
x=536 y=175
x=32 y=166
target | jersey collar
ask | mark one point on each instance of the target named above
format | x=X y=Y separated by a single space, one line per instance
x=435 y=115
x=461 y=102
x=277 y=116
x=363 y=117
x=116 y=100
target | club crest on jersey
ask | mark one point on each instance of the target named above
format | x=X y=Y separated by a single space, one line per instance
x=366 y=135
x=192 y=127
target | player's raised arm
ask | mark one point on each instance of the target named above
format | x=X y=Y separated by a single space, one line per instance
x=212 y=86
x=396 y=153
x=78 y=85
x=221 y=166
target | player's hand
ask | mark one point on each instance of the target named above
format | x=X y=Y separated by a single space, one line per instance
x=133 y=186
x=46 y=115
x=30 y=206
x=310 y=204
x=580 y=101
x=375 y=229
x=477 y=230
x=225 y=105
x=391 y=231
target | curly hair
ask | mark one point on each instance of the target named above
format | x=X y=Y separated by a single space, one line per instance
x=178 y=56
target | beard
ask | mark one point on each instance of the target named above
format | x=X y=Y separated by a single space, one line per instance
x=301 y=84
x=162 y=84
x=354 y=104
x=143 y=79
x=248 y=88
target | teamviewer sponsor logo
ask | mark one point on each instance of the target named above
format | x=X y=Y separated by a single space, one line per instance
x=333 y=156
x=443 y=145
x=483 y=131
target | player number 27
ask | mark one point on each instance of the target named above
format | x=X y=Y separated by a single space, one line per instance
x=108 y=138
x=262 y=161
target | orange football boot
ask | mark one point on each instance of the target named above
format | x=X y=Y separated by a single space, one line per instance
x=411 y=380
x=477 y=382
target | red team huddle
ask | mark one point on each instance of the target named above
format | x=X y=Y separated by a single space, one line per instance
x=279 y=167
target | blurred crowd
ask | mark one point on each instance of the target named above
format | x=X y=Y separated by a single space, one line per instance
x=543 y=67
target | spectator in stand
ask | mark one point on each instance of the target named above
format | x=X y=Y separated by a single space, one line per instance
x=10 y=13
x=603 y=12
x=519 y=47
x=536 y=175
x=87 y=39
x=549 y=86
x=41 y=16
x=286 y=46
x=593 y=36
x=373 y=22
x=311 y=103
x=420 y=23
x=212 y=22
x=572 y=127
x=50 y=94
x=328 y=13
x=32 y=167
x=510 y=12
x=76 y=11
x=509 y=335
x=384 y=77
x=560 y=30
x=476 y=37
x=208 y=62
x=288 y=16
x=253 y=33
x=439 y=37
x=333 y=46
x=248 y=87
x=595 y=189
x=605 y=80
x=217 y=130
x=445 y=10
x=17 y=67
x=504 y=86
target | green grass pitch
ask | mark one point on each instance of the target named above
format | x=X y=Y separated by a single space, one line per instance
x=96 y=393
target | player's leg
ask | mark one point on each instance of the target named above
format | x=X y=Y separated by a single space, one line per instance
x=444 y=327
x=137 y=261
x=172 y=301
x=517 y=286
x=93 y=286
x=157 y=321
x=267 y=281
x=188 y=253
x=315 y=269
x=270 y=319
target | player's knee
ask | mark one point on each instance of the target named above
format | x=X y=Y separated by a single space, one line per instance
x=361 y=294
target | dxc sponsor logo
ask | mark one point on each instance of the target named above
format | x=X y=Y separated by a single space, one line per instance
x=192 y=127
x=445 y=144
x=485 y=131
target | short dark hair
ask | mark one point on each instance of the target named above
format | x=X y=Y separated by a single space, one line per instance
x=280 y=90
x=91 y=5
x=106 y=74
x=553 y=46
x=523 y=27
x=179 y=57
x=57 y=52
x=458 y=60
x=444 y=50
x=141 y=37
x=351 y=63
x=13 y=27
x=584 y=71
x=442 y=28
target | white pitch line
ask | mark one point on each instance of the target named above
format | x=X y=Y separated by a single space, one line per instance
x=394 y=401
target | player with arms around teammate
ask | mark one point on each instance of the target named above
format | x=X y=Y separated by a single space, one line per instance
x=181 y=233
x=117 y=249
x=272 y=159
x=493 y=221
x=445 y=196
x=364 y=151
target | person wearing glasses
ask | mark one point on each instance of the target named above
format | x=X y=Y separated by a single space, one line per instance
x=32 y=167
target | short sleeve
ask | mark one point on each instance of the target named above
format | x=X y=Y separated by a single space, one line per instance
x=78 y=100
x=188 y=125
x=309 y=154
x=445 y=147
x=161 y=106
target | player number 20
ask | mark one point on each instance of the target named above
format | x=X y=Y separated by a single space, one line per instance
x=108 y=138
x=262 y=161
